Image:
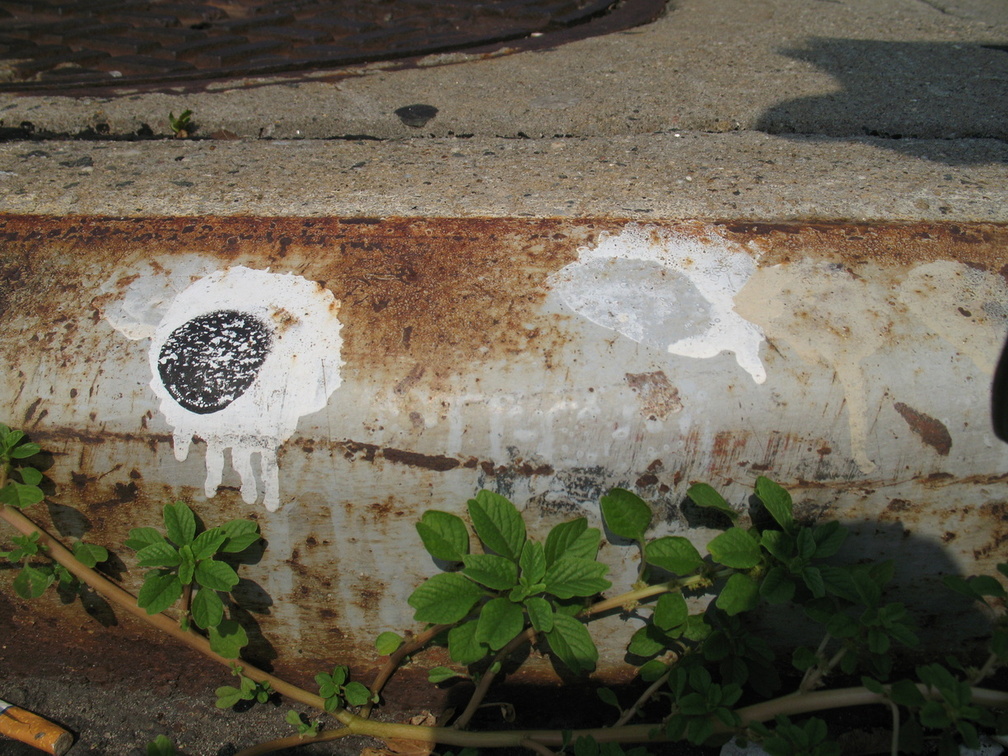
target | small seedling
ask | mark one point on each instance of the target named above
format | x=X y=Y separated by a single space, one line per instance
x=182 y=126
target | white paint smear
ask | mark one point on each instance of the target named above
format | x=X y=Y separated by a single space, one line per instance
x=296 y=378
x=237 y=357
x=668 y=290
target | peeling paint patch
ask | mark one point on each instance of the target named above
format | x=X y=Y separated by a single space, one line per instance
x=659 y=398
x=828 y=316
x=931 y=430
x=966 y=306
x=665 y=289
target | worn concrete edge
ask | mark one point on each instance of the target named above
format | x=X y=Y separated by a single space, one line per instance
x=680 y=175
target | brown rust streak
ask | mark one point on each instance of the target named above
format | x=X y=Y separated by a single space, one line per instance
x=982 y=245
x=462 y=289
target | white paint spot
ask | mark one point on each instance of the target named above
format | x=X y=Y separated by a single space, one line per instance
x=237 y=358
x=668 y=290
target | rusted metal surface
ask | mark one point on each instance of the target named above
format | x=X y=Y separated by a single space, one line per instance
x=70 y=46
x=403 y=364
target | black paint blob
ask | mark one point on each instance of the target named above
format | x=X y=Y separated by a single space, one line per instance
x=208 y=362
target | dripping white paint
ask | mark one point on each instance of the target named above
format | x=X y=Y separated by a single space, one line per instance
x=237 y=358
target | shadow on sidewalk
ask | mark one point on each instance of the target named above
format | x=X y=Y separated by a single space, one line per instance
x=902 y=92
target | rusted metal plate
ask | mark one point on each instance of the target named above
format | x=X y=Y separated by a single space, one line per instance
x=334 y=378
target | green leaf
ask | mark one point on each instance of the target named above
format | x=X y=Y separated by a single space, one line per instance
x=444 y=598
x=161 y=554
x=141 y=537
x=777 y=587
x=626 y=514
x=187 y=565
x=906 y=693
x=735 y=548
x=206 y=544
x=652 y=670
x=19 y=495
x=499 y=621
x=357 y=694
x=829 y=537
x=498 y=524
x=89 y=554
x=647 y=641
x=161 y=746
x=740 y=594
x=803 y=658
x=572 y=644
x=240 y=535
x=30 y=476
x=572 y=576
x=228 y=696
x=441 y=674
x=540 y=613
x=777 y=501
x=444 y=535
x=606 y=695
x=532 y=562
x=562 y=536
x=159 y=592
x=814 y=580
x=495 y=572
x=704 y=495
x=463 y=646
x=228 y=639
x=24 y=450
x=670 y=611
x=779 y=544
x=674 y=554
x=388 y=642
x=218 y=576
x=180 y=523
x=207 y=608
x=32 y=582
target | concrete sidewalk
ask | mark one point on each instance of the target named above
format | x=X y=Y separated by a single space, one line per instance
x=888 y=110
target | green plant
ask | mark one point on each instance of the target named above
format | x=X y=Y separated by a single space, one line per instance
x=305 y=728
x=185 y=567
x=161 y=746
x=248 y=690
x=182 y=126
x=704 y=674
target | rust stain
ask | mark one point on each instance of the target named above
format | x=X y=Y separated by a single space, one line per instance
x=659 y=398
x=932 y=431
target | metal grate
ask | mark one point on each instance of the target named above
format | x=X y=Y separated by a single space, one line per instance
x=89 y=43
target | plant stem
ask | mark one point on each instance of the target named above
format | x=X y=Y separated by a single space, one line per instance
x=293 y=741
x=653 y=688
x=894 y=746
x=395 y=659
x=125 y=600
x=537 y=747
x=820 y=671
x=791 y=704
x=525 y=636
x=988 y=668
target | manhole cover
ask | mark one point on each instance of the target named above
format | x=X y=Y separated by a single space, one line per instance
x=98 y=43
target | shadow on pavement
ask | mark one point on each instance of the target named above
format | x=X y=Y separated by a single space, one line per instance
x=902 y=92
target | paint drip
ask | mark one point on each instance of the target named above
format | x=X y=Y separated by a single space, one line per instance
x=237 y=359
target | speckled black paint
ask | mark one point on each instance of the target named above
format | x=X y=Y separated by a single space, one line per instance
x=208 y=362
